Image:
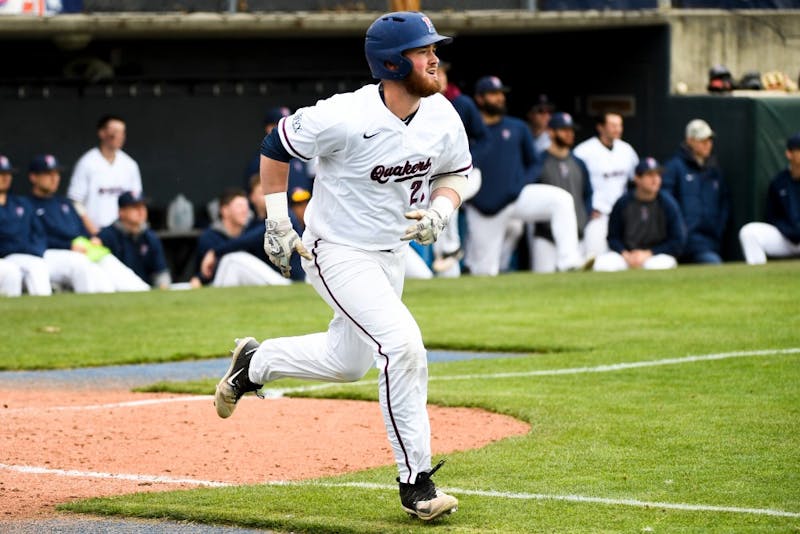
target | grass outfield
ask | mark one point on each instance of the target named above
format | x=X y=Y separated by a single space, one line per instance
x=659 y=401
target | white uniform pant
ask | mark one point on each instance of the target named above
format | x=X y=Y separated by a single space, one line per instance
x=613 y=261
x=10 y=279
x=35 y=273
x=535 y=203
x=416 y=267
x=543 y=251
x=370 y=326
x=122 y=277
x=75 y=270
x=761 y=240
x=449 y=241
x=244 y=269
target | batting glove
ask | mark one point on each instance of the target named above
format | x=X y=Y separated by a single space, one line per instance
x=427 y=230
x=280 y=241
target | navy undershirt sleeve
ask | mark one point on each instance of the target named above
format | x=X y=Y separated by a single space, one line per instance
x=272 y=147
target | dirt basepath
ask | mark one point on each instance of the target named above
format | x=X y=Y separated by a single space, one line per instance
x=58 y=446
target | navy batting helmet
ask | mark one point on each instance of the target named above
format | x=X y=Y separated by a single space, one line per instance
x=392 y=34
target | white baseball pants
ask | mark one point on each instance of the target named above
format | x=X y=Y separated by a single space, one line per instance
x=613 y=261
x=371 y=326
x=35 y=273
x=760 y=240
x=535 y=203
x=10 y=279
x=544 y=253
x=74 y=269
x=244 y=269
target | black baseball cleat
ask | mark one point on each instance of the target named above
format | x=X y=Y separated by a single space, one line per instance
x=423 y=500
x=236 y=382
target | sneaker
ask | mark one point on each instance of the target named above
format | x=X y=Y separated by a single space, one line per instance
x=236 y=382
x=423 y=500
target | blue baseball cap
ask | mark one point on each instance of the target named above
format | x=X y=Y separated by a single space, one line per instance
x=487 y=84
x=5 y=165
x=44 y=163
x=561 y=120
x=647 y=165
x=129 y=198
x=793 y=143
x=273 y=115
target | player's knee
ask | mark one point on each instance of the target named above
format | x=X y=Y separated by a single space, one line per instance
x=409 y=354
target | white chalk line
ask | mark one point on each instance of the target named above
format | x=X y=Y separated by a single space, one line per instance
x=685 y=507
x=271 y=393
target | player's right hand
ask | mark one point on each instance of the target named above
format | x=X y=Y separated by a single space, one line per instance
x=280 y=241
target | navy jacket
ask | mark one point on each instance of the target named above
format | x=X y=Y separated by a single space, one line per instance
x=703 y=197
x=59 y=219
x=21 y=232
x=783 y=205
x=508 y=165
x=675 y=238
x=143 y=252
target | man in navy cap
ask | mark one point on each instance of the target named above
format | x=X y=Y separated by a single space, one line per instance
x=22 y=242
x=561 y=168
x=779 y=236
x=508 y=198
x=76 y=259
x=132 y=241
x=645 y=228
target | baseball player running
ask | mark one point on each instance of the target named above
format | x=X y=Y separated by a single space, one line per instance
x=390 y=154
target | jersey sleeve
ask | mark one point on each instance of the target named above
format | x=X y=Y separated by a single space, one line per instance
x=316 y=130
x=78 y=189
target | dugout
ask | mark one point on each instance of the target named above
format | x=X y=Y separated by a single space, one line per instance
x=751 y=130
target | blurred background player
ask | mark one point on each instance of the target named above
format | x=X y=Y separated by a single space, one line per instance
x=693 y=177
x=22 y=239
x=76 y=260
x=779 y=236
x=560 y=168
x=102 y=174
x=132 y=241
x=645 y=228
x=538 y=118
x=225 y=255
x=611 y=162
x=507 y=195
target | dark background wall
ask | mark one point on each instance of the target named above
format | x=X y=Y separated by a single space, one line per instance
x=194 y=107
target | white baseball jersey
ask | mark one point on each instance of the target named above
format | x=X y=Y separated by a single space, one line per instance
x=97 y=184
x=609 y=170
x=372 y=167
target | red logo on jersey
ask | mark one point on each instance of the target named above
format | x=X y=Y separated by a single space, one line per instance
x=403 y=172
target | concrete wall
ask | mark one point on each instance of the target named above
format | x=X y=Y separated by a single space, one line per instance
x=741 y=40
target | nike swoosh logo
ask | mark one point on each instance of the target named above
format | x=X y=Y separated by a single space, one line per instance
x=371 y=136
x=234 y=375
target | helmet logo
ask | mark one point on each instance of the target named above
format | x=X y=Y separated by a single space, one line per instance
x=429 y=24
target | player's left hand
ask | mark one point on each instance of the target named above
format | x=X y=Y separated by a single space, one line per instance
x=280 y=241
x=430 y=224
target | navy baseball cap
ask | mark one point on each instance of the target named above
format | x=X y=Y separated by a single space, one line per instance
x=44 y=163
x=5 y=165
x=793 y=143
x=488 y=84
x=273 y=115
x=543 y=104
x=129 y=198
x=647 y=165
x=561 y=120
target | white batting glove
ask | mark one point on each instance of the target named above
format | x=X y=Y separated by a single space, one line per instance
x=280 y=241
x=430 y=224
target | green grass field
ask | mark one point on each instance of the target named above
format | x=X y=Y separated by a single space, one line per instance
x=629 y=434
